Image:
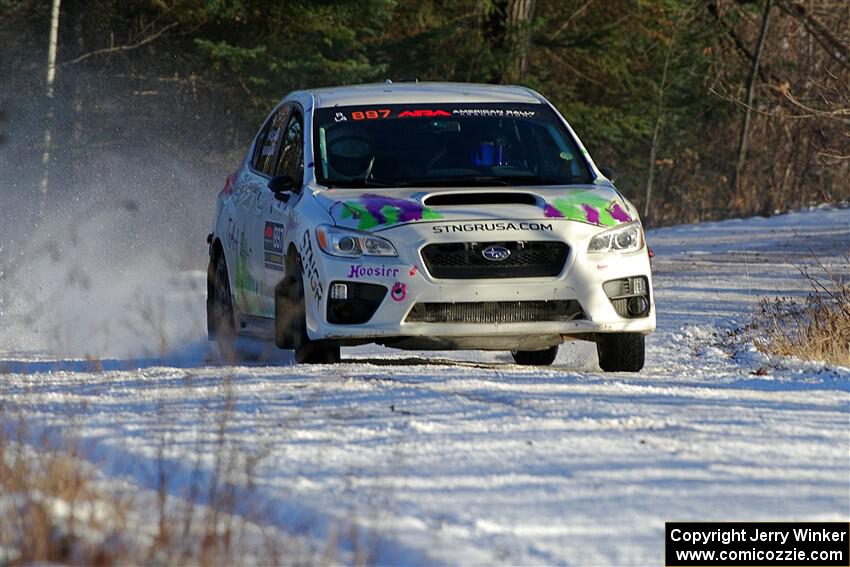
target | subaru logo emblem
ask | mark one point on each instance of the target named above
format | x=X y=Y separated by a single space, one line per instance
x=496 y=253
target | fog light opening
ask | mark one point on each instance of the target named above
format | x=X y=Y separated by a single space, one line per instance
x=638 y=306
x=637 y=285
x=339 y=291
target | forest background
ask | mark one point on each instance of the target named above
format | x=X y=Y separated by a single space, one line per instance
x=706 y=109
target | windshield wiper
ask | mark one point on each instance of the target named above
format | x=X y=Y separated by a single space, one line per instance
x=456 y=181
x=480 y=181
x=459 y=181
x=534 y=180
x=359 y=183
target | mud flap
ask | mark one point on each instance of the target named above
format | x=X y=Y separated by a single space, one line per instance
x=286 y=311
x=212 y=324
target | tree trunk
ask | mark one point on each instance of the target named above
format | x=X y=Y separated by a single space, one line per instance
x=509 y=27
x=742 y=144
x=656 y=131
x=51 y=76
x=80 y=89
x=519 y=39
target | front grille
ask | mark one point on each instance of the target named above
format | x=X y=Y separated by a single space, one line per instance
x=496 y=312
x=464 y=260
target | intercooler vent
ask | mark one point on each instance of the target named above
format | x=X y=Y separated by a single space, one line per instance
x=480 y=198
x=489 y=312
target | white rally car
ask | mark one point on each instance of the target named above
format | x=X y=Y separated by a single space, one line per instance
x=427 y=216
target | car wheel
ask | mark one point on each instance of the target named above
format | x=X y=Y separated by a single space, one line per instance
x=308 y=351
x=535 y=357
x=621 y=352
x=220 y=316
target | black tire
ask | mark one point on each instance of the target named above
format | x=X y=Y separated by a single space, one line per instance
x=308 y=351
x=535 y=357
x=221 y=322
x=621 y=352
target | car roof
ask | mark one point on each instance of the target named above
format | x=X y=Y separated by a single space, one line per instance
x=424 y=92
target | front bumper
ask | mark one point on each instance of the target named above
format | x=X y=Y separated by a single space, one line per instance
x=408 y=282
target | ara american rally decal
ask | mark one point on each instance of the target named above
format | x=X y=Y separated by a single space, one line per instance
x=443 y=111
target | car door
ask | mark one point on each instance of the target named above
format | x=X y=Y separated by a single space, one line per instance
x=247 y=279
x=276 y=208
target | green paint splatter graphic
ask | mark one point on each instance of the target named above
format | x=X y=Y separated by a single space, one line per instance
x=376 y=210
x=586 y=206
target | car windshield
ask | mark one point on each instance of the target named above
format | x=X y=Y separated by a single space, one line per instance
x=428 y=145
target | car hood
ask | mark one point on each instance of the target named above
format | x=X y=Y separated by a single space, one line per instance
x=376 y=209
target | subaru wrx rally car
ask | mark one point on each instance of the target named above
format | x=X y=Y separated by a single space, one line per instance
x=427 y=216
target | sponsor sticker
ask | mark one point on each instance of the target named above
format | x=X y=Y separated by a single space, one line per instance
x=491 y=227
x=273 y=245
x=308 y=267
x=469 y=110
x=506 y=112
x=230 y=238
x=423 y=113
x=357 y=271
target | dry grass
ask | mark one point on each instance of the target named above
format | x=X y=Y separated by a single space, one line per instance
x=815 y=328
x=51 y=507
x=57 y=508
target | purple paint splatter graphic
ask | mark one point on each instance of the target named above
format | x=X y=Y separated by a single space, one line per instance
x=408 y=210
x=552 y=212
x=619 y=214
x=592 y=214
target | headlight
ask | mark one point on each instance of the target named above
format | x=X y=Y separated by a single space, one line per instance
x=628 y=238
x=351 y=244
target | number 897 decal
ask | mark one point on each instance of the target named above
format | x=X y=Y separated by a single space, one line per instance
x=370 y=114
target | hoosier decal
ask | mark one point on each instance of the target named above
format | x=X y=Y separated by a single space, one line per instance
x=357 y=271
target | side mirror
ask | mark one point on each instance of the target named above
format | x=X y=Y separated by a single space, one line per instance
x=608 y=172
x=281 y=183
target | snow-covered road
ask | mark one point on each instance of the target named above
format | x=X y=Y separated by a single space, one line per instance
x=466 y=458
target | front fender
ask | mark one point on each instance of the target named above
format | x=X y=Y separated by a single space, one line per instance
x=304 y=217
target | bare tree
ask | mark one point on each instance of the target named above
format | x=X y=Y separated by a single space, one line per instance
x=834 y=47
x=656 y=130
x=51 y=76
x=518 y=35
x=742 y=144
x=508 y=25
